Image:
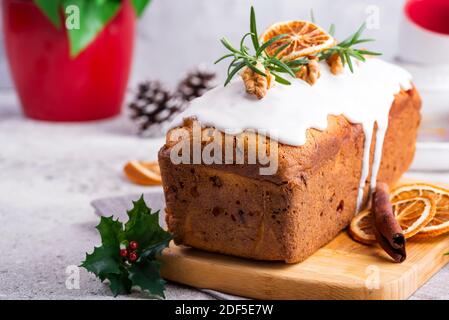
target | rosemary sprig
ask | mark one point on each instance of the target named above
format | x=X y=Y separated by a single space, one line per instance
x=346 y=50
x=243 y=57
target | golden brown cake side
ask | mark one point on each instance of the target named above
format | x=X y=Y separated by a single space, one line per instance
x=232 y=209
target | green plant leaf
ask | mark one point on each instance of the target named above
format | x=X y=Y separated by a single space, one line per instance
x=224 y=57
x=111 y=231
x=139 y=6
x=269 y=43
x=281 y=80
x=51 y=9
x=233 y=72
x=155 y=250
x=253 y=29
x=243 y=48
x=282 y=65
x=93 y=17
x=312 y=16
x=228 y=45
x=106 y=263
x=254 y=68
x=146 y=276
x=143 y=225
x=280 y=49
x=332 y=30
x=120 y=283
x=102 y=261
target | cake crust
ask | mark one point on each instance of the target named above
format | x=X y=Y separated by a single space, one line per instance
x=232 y=209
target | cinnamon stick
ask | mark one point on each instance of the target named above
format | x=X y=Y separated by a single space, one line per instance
x=387 y=230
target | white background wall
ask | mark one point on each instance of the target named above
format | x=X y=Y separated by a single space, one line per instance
x=175 y=35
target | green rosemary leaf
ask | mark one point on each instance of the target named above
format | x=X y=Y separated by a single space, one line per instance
x=253 y=29
x=355 y=54
x=358 y=33
x=243 y=48
x=228 y=45
x=369 y=53
x=332 y=30
x=363 y=41
x=312 y=16
x=346 y=50
x=282 y=65
x=232 y=64
x=281 y=80
x=234 y=71
x=280 y=49
x=275 y=69
x=224 y=57
x=326 y=54
x=297 y=62
x=269 y=42
x=349 y=61
x=350 y=41
x=254 y=68
x=243 y=58
x=342 y=57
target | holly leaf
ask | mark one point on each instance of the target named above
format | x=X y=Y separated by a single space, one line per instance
x=155 y=250
x=146 y=275
x=123 y=273
x=143 y=226
x=139 y=6
x=103 y=261
x=51 y=9
x=93 y=16
x=120 y=283
x=111 y=231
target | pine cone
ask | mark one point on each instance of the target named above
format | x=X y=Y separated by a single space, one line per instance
x=311 y=72
x=255 y=83
x=153 y=107
x=196 y=83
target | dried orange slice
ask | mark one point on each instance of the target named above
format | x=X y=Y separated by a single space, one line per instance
x=412 y=213
x=440 y=223
x=304 y=38
x=361 y=228
x=143 y=173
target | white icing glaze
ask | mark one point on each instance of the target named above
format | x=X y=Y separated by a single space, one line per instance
x=286 y=112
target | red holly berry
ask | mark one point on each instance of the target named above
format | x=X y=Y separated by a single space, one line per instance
x=133 y=245
x=133 y=256
x=123 y=253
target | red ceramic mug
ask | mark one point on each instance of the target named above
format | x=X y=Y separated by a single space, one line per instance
x=432 y=15
x=424 y=32
x=55 y=87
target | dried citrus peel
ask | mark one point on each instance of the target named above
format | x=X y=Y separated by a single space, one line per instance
x=422 y=211
x=303 y=39
x=143 y=173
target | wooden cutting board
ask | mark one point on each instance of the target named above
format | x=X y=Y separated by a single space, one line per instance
x=343 y=269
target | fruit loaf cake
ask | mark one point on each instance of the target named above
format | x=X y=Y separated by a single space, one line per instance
x=275 y=172
x=231 y=209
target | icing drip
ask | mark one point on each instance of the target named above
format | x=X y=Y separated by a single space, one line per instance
x=365 y=168
x=363 y=97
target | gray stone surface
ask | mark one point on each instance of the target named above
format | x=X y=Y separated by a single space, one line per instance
x=49 y=174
